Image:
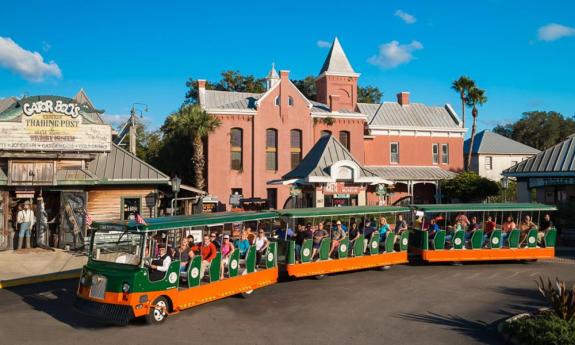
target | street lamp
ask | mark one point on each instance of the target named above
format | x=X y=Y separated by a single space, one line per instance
x=505 y=185
x=176 y=181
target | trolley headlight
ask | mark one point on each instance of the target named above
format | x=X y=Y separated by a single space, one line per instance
x=125 y=287
x=83 y=280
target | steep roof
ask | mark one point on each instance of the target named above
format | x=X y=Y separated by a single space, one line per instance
x=321 y=157
x=336 y=61
x=489 y=142
x=273 y=74
x=393 y=114
x=558 y=160
x=405 y=173
x=120 y=166
x=5 y=103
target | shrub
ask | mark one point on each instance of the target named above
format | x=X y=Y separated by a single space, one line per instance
x=542 y=330
x=561 y=300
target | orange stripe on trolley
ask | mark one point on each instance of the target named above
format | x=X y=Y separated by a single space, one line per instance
x=487 y=254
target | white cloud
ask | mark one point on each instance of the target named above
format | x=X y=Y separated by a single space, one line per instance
x=393 y=54
x=552 y=32
x=406 y=17
x=115 y=120
x=29 y=65
x=323 y=44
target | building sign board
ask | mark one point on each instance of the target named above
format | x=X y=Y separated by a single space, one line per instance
x=536 y=182
x=340 y=188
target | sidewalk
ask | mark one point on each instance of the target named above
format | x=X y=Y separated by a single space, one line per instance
x=29 y=266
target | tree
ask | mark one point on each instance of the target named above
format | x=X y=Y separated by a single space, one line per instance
x=475 y=97
x=539 y=129
x=230 y=81
x=469 y=186
x=307 y=87
x=369 y=94
x=191 y=121
x=463 y=85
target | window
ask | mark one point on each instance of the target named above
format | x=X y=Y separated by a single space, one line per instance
x=295 y=147
x=277 y=101
x=290 y=101
x=488 y=163
x=272 y=197
x=445 y=153
x=325 y=132
x=435 y=153
x=237 y=191
x=394 y=157
x=271 y=149
x=344 y=139
x=236 y=145
x=131 y=206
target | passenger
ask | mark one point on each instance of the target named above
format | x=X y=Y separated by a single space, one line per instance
x=353 y=232
x=227 y=250
x=184 y=253
x=368 y=230
x=303 y=233
x=243 y=244
x=400 y=225
x=506 y=228
x=544 y=226
x=285 y=232
x=384 y=229
x=318 y=235
x=209 y=252
x=526 y=226
x=160 y=264
x=488 y=228
x=463 y=220
x=473 y=225
x=337 y=235
x=433 y=228
x=262 y=244
x=215 y=240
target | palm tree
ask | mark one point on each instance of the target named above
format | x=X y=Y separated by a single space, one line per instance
x=193 y=122
x=463 y=85
x=475 y=96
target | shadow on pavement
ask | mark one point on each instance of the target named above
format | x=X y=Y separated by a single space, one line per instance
x=56 y=299
x=477 y=330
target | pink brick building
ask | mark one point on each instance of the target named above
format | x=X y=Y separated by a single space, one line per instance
x=263 y=137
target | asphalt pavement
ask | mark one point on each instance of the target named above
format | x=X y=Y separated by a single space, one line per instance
x=424 y=304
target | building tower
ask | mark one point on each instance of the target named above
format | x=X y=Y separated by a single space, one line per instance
x=272 y=78
x=337 y=81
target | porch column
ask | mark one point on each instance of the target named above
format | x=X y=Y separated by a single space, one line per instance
x=437 y=192
x=319 y=199
x=362 y=198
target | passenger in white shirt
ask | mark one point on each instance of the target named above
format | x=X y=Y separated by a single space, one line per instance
x=161 y=264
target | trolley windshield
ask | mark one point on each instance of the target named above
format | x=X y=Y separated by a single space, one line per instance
x=115 y=244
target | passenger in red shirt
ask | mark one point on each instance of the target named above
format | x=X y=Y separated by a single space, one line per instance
x=488 y=228
x=209 y=252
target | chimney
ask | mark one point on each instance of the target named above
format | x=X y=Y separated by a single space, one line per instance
x=333 y=102
x=202 y=92
x=284 y=74
x=403 y=98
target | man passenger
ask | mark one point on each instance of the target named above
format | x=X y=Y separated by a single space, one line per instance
x=544 y=226
x=400 y=225
x=318 y=235
x=526 y=226
x=337 y=235
x=160 y=264
x=209 y=252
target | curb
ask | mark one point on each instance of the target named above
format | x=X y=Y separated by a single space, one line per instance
x=71 y=274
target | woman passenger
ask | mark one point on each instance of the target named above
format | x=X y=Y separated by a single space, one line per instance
x=337 y=235
x=243 y=244
x=184 y=253
x=526 y=226
x=227 y=249
x=384 y=229
x=262 y=244
x=506 y=228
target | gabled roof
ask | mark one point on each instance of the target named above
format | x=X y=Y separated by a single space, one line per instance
x=320 y=159
x=558 y=160
x=493 y=143
x=273 y=74
x=82 y=98
x=409 y=173
x=230 y=100
x=336 y=61
x=393 y=114
x=6 y=103
x=120 y=166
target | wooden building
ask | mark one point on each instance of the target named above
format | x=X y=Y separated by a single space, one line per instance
x=57 y=153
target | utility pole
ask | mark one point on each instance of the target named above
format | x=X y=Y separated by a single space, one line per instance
x=133 y=129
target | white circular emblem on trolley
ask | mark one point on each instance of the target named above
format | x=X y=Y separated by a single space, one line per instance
x=234 y=264
x=270 y=256
x=404 y=241
x=374 y=244
x=172 y=277
x=495 y=240
x=306 y=252
x=531 y=239
x=458 y=241
x=195 y=272
x=343 y=248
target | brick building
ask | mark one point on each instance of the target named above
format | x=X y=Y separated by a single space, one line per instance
x=265 y=136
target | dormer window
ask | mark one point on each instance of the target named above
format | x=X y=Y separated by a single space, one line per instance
x=290 y=101
x=277 y=101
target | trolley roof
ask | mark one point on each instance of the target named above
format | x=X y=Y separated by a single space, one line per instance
x=479 y=207
x=340 y=211
x=203 y=219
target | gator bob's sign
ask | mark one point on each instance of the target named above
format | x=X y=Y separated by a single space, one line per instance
x=54 y=124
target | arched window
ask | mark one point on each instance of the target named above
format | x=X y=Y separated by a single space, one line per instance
x=344 y=139
x=290 y=101
x=325 y=132
x=277 y=101
x=271 y=149
x=295 y=147
x=236 y=147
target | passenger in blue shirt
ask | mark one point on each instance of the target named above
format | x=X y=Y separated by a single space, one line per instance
x=243 y=244
x=384 y=229
x=433 y=228
x=282 y=231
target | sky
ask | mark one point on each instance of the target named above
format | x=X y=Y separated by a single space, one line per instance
x=121 y=52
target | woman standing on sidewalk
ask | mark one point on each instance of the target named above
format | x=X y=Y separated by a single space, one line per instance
x=25 y=221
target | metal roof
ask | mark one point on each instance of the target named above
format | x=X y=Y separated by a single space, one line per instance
x=120 y=166
x=231 y=100
x=321 y=157
x=494 y=207
x=6 y=103
x=336 y=61
x=75 y=177
x=488 y=142
x=407 y=173
x=558 y=160
x=392 y=114
x=340 y=211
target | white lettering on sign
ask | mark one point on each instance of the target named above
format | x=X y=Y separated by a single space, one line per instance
x=70 y=109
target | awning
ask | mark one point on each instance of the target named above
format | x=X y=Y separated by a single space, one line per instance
x=412 y=173
x=75 y=177
x=190 y=188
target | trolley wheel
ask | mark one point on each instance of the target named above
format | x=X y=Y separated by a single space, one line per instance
x=320 y=276
x=246 y=294
x=384 y=268
x=158 y=312
x=457 y=263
